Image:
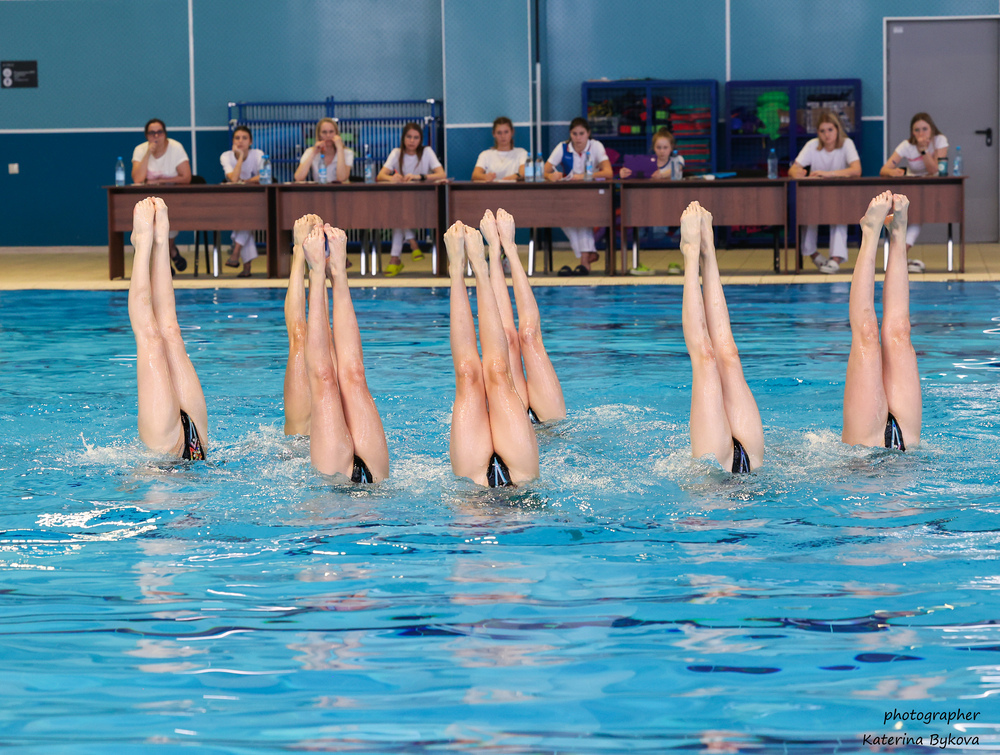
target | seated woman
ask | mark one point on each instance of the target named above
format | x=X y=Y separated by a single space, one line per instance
x=830 y=155
x=410 y=161
x=328 y=160
x=882 y=404
x=173 y=418
x=725 y=421
x=504 y=162
x=537 y=384
x=345 y=431
x=242 y=165
x=492 y=441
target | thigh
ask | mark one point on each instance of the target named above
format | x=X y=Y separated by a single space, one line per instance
x=545 y=395
x=159 y=409
x=471 y=444
x=365 y=426
x=865 y=407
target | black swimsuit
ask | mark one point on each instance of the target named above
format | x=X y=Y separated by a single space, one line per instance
x=497 y=473
x=533 y=417
x=893 y=435
x=193 y=449
x=741 y=462
x=361 y=472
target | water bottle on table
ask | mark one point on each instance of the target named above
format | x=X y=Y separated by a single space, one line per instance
x=265 y=171
x=539 y=168
x=956 y=168
x=369 y=169
x=529 y=169
x=676 y=171
x=322 y=168
x=119 y=173
x=772 y=164
x=589 y=167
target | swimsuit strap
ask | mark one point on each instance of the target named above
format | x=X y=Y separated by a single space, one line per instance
x=193 y=449
x=497 y=473
x=741 y=462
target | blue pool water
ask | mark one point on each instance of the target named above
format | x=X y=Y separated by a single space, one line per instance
x=633 y=599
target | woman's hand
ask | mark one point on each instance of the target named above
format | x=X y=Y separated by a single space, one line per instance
x=338 y=142
x=625 y=173
x=490 y=177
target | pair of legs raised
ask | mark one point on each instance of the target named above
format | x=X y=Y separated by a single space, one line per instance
x=326 y=392
x=723 y=409
x=168 y=384
x=537 y=384
x=882 y=374
x=489 y=418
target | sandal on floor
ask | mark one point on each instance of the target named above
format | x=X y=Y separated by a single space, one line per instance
x=230 y=263
x=641 y=269
x=391 y=271
x=416 y=254
x=244 y=274
x=180 y=263
x=674 y=269
x=913 y=266
x=580 y=270
x=565 y=271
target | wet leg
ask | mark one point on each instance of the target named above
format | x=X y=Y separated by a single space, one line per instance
x=296 y=390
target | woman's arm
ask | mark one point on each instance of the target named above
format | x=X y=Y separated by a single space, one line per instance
x=797 y=171
x=305 y=164
x=604 y=170
x=479 y=174
x=343 y=169
x=139 y=168
x=183 y=175
x=437 y=174
x=551 y=174
x=852 y=170
x=889 y=169
x=233 y=176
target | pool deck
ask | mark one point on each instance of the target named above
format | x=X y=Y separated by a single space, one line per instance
x=86 y=268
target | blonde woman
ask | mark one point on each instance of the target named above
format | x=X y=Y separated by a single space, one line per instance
x=329 y=151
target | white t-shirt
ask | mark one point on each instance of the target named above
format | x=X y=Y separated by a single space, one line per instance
x=331 y=169
x=816 y=158
x=164 y=166
x=597 y=154
x=912 y=160
x=250 y=167
x=504 y=164
x=428 y=162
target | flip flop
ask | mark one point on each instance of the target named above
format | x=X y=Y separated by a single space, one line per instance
x=580 y=270
x=913 y=266
x=674 y=269
x=416 y=254
x=180 y=263
x=230 y=263
x=641 y=269
x=565 y=271
x=244 y=274
x=391 y=271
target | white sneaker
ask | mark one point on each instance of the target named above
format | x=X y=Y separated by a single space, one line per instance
x=819 y=260
x=915 y=266
x=830 y=267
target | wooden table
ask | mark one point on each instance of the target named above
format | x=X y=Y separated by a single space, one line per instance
x=842 y=201
x=544 y=204
x=200 y=207
x=358 y=206
x=732 y=201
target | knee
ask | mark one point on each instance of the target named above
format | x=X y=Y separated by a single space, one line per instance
x=468 y=375
x=865 y=329
x=297 y=334
x=495 y=372
x=352 y=374
x=530 y=337
x=727 y=352
x=171 y=332
x=896 y=330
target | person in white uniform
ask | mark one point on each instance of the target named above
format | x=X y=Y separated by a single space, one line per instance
x=504 y=162
x=410 y=161
x=568 y=161
x=830 y=155
x=917 y=156
x=242 y=165
x=329 y=150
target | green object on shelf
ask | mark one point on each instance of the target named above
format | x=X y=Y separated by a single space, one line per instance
x=661 y=115
x=769 y=108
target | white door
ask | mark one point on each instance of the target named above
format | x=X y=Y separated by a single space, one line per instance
x=950 y=69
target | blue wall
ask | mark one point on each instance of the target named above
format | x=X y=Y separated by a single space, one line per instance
x=101 y=78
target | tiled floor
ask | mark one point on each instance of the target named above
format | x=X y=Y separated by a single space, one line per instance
x=87 y=268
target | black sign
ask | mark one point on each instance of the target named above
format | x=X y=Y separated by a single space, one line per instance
x=18 y=73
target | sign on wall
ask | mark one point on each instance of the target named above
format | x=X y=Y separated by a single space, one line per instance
x=15 y=74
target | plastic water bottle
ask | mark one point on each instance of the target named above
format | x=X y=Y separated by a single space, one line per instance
x=539 y=168
x=676 y=171
x=120 y=173
x=589 y=169
x=322 y=169
x=772 y=164
x=529 y=170
x=265 y=170
x=956 y=168
x=369 y=170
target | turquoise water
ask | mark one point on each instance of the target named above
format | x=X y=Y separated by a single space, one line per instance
x=633 y=599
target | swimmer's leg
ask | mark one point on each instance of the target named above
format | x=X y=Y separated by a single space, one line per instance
x=710 y=432
x=513 y=436
x=297 y=400
x=865 y=406
x=545 y=394
x=498 y=280
x=330 y=446
x=900 y=374
x=360 y=412
x=159 y=409
x=471 y=444
x=741 y=408
x=185 y=379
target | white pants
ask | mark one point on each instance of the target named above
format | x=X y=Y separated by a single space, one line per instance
x=912 y=232
x=398 y=236
x=838 y=242
x=248 y=247
x=581 y=240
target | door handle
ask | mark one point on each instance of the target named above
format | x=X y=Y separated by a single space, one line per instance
x=989 y=136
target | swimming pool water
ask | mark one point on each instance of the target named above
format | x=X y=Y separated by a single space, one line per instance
x=633 y=599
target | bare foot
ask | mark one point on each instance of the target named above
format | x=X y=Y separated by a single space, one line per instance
x=302 y=227
x=142 y=222
x=488 y=225
x=314 y=247
x=896 y=221
x=707 y=232
x=505 y=227
x=336 y=264
x=691 y=233
x=878 y=208
x=474 y=250
x=454 y=244
x=161 y=226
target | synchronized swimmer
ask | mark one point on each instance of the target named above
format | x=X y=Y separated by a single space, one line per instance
x=499 y=394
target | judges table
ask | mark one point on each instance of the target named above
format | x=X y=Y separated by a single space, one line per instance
x=200 y=207
x=545 y=204
x=360 y=207
x=732 y=201
x=842 y=201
